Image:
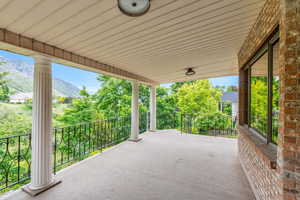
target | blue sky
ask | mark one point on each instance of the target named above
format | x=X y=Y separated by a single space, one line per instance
x=73 y=75
x=225 y=81
x=82 y=78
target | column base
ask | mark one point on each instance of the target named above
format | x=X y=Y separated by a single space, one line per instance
x=34 y=193
x=135 y=140
x=152 y=130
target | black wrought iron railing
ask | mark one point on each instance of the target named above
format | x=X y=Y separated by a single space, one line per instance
x=144 y=122
x=78 y=142
x=215 y=124
x=168 y=120
x=70 y=144
x=15 y=160
x=211 y=124
x=75 y=143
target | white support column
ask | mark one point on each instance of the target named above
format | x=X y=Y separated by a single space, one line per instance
x=135 y=112
x=41 y=167
x=153 y=108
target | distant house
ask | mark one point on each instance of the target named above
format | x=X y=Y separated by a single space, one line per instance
x=232 y=98
x=21 y=97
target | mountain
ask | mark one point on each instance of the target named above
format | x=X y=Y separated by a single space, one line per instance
x=21 y=78
x=64 y=88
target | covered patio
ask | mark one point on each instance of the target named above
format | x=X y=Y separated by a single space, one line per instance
x=164 y=165
x=175 y=41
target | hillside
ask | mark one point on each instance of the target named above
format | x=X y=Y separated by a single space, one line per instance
x=21 y=78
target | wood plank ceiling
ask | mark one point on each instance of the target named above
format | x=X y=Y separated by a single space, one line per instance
x=173 y=35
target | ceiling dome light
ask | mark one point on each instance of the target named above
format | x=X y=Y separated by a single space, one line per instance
x=134 y=8
x=190 y=72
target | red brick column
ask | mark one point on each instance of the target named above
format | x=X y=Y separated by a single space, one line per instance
x=289 y=132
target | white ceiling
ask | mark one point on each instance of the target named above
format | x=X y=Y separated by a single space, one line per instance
x=173 y=35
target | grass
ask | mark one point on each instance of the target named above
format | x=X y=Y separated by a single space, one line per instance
x=15 y=187
x=24 y=109
x=18 y=108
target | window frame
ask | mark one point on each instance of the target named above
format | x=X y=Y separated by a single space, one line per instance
x=267 y=47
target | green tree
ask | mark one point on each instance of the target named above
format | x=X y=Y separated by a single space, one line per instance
x=176 y=86
x=144 y=98
x=4 y=89
x=212 y=121
x=259 y=103
x=166 y=108
x=227 y=108
x=79 y=111
x=221 y=88
x=232 y=88
x=114 y=97
x=13 y=123
x=199 y=97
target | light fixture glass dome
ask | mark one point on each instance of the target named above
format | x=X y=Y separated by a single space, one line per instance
x=134 y=7
x=190 y=72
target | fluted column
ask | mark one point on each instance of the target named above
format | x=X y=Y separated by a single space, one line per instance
x=41 y=167
x=135 y=112
x=41 y=124
x=153 y=108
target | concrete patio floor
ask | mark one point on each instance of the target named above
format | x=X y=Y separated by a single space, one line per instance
x=165 y=165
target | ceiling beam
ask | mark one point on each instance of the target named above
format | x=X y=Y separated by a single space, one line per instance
x=63 y=56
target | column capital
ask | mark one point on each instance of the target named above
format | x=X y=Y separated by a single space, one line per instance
x=135 y=82
x=153 y=88
x=41 y=59
x=42 y=64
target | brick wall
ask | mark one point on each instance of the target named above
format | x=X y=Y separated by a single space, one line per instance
x=284 y=182
x=260 y=168
x=266 y=22
x=258 y=161
x=289 y=132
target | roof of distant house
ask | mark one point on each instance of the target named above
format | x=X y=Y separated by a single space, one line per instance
x=21 y=96
x=231 y=97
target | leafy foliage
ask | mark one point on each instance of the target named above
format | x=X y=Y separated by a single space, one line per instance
x=213 y=121
x=114 y=97
x=4 y=89
x=166 y=108
x=13 y=123
x=199 y=97
x=80 y=110
x=259 y=103
x=227 y=108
